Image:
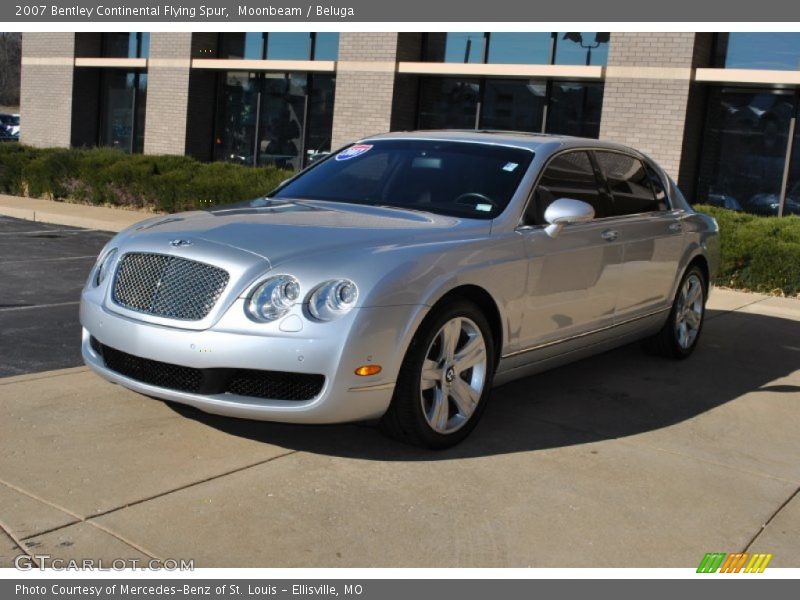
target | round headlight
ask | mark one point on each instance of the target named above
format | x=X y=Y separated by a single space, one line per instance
x=332 y=299
x=273 y=298
x=105 y=267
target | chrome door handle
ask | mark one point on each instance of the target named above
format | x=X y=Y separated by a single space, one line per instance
x=676 y=227
x=609 y=235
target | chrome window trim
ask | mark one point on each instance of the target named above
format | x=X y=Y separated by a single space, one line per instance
x=678 y=212
x=453 y=140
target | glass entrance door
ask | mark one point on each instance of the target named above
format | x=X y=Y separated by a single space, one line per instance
x=122 y=110
x=281 y=119
x=281 y=122
x=238 y=101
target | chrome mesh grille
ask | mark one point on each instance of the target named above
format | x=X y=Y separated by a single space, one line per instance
x=168 y=286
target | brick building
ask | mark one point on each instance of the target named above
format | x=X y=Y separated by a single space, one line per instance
x=718 y=111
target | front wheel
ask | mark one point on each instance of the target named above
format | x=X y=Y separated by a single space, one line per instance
x=445 y=380
x=680 y=334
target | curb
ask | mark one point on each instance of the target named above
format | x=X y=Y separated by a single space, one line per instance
x=71 y=215
x=42 y=375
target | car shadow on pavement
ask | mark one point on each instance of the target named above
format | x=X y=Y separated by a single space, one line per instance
x=617 y=394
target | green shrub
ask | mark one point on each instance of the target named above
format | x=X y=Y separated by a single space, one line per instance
x=757 y=253
x=52 y=173
x=172 y=191
x=92 y=177
x=110 y=177
x=223 y=183
x=13 y=158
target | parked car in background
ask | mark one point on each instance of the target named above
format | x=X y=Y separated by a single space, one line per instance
x=9 y=126
x=724 y=201
x=769 y=204
x=400 y=278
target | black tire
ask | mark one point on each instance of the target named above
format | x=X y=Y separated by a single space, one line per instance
x=406 y=418
x=666 y=342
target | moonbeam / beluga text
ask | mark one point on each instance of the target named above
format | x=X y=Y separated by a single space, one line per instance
x=270 y=11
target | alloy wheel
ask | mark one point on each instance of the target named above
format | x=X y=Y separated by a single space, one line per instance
x=689 y=312
x=453 y=375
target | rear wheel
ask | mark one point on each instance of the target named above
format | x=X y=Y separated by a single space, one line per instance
x=445 y=380
x=680 y=334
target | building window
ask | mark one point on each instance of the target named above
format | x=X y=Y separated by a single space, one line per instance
x=563 y=107
x=320 y=116
x=326 y=46
x=576 y=48
x=520 y=48
x=288 y=46
x=248 y=46
x=581 y=48
x=279 y=46
x=448 y=103
x=282 y=119
x=744 y=152
x=454 y=47
x=791 y=204
x=125 y=45
x=741 y=50
x=123 y=95
x=574 y=108
x=513 y=104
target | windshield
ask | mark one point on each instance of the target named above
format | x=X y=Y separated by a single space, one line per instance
x=460 y=179
x=9 y=119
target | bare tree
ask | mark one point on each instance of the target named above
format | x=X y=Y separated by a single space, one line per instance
x=10 y=58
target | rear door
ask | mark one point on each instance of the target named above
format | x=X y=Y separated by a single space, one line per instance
x=651 y=233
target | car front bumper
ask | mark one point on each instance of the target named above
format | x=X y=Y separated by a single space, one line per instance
x=371 y=335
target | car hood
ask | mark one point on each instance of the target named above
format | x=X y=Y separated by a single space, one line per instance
x=281 y=230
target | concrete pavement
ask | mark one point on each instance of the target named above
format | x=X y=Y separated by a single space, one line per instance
x=618 y=460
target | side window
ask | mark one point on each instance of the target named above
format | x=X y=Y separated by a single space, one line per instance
x=678 y=199
x=658 y=188
x=568 y=175
x=629 y=183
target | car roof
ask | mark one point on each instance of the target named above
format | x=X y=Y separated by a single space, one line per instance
x=520 y=139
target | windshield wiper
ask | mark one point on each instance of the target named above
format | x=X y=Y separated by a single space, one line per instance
x=406 y=208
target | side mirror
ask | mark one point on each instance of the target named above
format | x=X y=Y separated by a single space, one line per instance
x=566 y=211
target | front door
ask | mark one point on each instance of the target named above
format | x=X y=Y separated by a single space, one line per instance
x=573 y=278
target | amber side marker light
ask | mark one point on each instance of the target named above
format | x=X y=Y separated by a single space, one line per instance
x=367 y=370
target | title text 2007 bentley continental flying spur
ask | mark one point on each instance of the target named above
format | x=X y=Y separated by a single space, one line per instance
x=400 y=278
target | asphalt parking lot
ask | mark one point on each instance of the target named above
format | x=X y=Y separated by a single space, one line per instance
x=622 y=460
x=42 y=269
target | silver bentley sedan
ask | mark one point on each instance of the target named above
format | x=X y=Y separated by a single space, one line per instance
x=400 y=278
